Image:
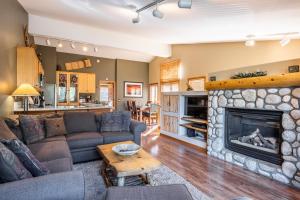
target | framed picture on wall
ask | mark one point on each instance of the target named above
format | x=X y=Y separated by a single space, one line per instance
x=133 y=89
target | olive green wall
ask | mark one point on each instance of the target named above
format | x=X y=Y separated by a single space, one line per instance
x=12 y=20
x=135 y=72
x=48 y=58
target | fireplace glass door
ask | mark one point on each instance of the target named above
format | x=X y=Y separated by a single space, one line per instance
x=255 y=133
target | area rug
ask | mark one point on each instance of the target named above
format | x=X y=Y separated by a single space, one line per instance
x=161 y=176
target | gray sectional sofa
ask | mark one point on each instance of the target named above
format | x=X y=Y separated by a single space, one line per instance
x=58 y=154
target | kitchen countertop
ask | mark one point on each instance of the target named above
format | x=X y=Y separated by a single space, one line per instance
x=57 y=108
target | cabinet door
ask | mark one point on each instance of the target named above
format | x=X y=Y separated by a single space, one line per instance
x=82 y=83
x=173 y=104
x=166 y=103
x=91 y=83
x=62 y=83
x=165 y=123
x=173 y=124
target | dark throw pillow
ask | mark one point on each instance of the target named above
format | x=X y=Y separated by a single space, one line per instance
x=126 y=119
x=26 y=157
x=11 y=168
x=111 y=121
x=55 y=127
x=32 y=128
x=5 y=132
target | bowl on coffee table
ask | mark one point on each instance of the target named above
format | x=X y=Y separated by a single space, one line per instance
x=126 y=149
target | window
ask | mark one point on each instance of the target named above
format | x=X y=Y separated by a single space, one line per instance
x=153 y=92
x=169 y=76
x=107 y=93
x=197 y=83
x=170 y=87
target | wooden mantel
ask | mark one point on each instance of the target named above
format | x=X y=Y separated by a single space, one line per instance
x=282 y=80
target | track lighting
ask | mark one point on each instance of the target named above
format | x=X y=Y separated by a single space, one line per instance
x=137 y=19
x=95 y=49
x=284 y=41
x=73 y=45
x=48 y=42
x=187 y=4
x=157 y=13
x=60 y=45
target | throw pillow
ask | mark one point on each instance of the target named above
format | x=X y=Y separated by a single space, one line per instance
x=111 y=121
x=5 y=132
x=126 y=119
x=26 y=157
x=55 y=127
x=11 y=168
x=32 y=128
x=14 y=126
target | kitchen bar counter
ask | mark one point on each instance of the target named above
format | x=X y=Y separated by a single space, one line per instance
x=61 y=109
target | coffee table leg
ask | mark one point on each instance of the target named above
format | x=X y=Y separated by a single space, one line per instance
x=121 y=181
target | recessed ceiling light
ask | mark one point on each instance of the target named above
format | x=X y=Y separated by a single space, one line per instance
x=285 y=41
x=60 y=45
x=250 y=42
x=85 y=48
x=73 y=45
x=48 y=42
x=185 y=4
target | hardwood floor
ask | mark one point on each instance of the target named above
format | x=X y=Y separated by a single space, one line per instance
x=217 y=178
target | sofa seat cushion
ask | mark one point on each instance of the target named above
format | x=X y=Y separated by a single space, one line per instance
x=47 y=151
x=78 y=122
x=84 y=140
x=163 y=192
x=111 y=137
x=59 y=165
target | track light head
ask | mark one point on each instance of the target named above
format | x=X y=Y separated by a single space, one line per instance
x=187 y=4
x=285 y=41
x=48 y=42
x=157 y=13
x=250 y=42
x=136 y=19
x=96 y=49
x=73 y=45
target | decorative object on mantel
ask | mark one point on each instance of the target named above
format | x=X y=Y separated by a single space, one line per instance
x=213 y=78
x=281 y=80
x=293 y=68
x=249 y=74
x=78 y=65
x=189 y=87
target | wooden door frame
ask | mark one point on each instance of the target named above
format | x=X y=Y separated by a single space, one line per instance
x=114 y=93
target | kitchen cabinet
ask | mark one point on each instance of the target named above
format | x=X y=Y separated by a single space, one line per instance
x=87 y=83
x=68 y=88
x=29 y=67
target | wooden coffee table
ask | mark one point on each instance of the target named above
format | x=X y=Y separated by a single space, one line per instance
x=124 y=166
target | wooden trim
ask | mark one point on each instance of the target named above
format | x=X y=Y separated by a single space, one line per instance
x=196 y=77
x=282 y=80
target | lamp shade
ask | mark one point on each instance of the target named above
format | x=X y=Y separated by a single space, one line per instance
x=25 y=90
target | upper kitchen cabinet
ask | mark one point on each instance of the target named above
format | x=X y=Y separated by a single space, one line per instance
x=87 y=83
x=29 y=67
x=68 y=88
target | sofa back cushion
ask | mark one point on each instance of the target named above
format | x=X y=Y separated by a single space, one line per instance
x=77 y=122
x=32 y=127
x=5 y=132
x=11 y=168
x=14 y=125
x=26 y=157
x=55 y=127
x=115 y=121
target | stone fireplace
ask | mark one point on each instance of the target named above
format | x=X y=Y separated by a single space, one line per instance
x=257 y=129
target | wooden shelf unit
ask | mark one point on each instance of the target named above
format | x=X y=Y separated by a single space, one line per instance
x=189 y=125
x=195 y=120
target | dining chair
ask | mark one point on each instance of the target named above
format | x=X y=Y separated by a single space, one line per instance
x=151 y=114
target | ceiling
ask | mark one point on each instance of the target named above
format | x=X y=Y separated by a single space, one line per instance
x=207 y=21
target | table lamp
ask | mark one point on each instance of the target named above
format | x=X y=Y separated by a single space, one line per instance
x=25 y=90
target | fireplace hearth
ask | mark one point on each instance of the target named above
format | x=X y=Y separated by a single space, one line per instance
x=255 y=133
